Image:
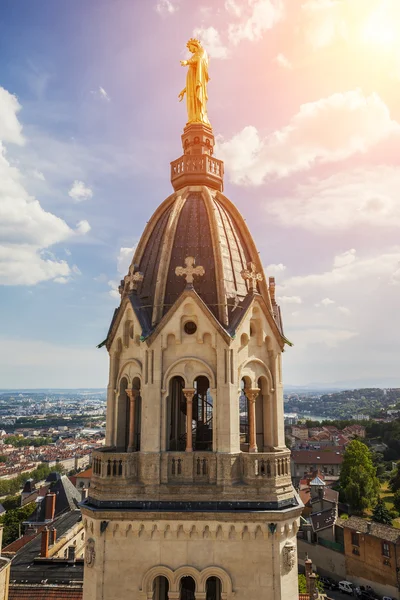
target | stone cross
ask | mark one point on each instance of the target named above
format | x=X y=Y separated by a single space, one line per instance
x=189 y=271
x=252 y=275
x=130 y=281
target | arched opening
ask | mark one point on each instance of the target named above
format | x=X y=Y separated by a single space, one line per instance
x=121 y=437
x=265 y=417
x=187 y=588
x=202 y=415
x=213 y=588
x=244 y=418
x=260 y=438
x=176 y=415
x=160 y=588
x=137 y=414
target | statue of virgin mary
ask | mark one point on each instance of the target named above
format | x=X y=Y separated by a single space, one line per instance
x=196 y=83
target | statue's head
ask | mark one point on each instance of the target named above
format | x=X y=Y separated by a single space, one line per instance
x=193 y=45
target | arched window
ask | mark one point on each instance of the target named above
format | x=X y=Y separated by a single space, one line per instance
x=244 y=418
x=202 y=415
x=122 y=422
x=213 y=588
x=160 y=588
x=187 y=588
x=176 y=415
x=138 y=414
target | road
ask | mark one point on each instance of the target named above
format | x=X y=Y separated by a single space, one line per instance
x=336 y=595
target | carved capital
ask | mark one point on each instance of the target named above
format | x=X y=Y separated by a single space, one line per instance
x=251 y=393
x=189 y=393
x=132 y=394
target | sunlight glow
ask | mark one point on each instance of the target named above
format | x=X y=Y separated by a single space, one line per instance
x=379 y=28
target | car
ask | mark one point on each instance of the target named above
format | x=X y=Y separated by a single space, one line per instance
x=346 y=587
x=328 y=583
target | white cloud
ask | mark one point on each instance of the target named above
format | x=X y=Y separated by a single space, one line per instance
x=38 y=175
x=327 y=130
x=327 y=302
x=363 y=196
x=258 y=17
x=289 y=299
x=233 y=8
x=124 y=259
x=83 y=227
x=26 y=229
x=344 y=310
x=166 y=7
x=101 y=93
x=274 y=269
x=283 y=61
x=325 y=22
x=10 y=127
x=80 y=191
x=211 y=41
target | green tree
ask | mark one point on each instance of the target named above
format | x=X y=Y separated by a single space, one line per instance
x=381 y=514
x=395 y=479
x=358 y=479
x=396 y=500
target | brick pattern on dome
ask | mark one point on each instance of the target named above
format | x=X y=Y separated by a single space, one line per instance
x=193 y=238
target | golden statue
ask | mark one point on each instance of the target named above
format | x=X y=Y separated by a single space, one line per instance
x=196 y=84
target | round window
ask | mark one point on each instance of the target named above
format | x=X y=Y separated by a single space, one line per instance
x=190 y=327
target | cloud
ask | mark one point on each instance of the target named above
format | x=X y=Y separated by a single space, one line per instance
x=10 y=127
x=26 y=229
x=233 y=8
x=124 y=259
x=327 y=130
x=358 y=197
x=327 y=302
x=344 y=310
x=325 y=22
x=211 y=40
x=166 y=7
x=289 y=299
x=38 y=175
x=283 y=61
x=79 y=191
x=274 y=269
x=260 y=16
x=101 y=93
x=82 y=227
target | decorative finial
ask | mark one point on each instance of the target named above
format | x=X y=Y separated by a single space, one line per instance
x=189 y=271
x=130 y=281
x=252 y=276
x=271 y=289
x=196 y=84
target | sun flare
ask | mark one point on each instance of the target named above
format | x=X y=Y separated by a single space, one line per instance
x=379 y=29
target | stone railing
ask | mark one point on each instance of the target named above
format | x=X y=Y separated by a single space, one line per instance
x=197 y=170
x=189 y=467
x=266 y=465
x=109 y=464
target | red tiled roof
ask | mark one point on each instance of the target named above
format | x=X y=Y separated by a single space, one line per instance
x=313 y=457
x=22 y=541
x=41 y=592
x=87 y=473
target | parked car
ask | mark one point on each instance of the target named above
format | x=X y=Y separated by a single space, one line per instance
x=328 y=583
x=346 y=587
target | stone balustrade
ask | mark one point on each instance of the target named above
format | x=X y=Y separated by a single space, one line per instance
x=120 y=465
x=259 y=468
x=266 y=465
x=199 y=169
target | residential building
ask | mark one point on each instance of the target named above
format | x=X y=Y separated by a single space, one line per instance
x=328 y=462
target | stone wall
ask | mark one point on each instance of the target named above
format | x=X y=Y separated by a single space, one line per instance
x=328 y=562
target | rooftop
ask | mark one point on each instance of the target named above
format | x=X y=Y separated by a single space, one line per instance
x=45 y=592
x=383 y=532
x=312 y=457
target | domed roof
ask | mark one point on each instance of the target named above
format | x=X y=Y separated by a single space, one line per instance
x=201 y=223
x=197 y=226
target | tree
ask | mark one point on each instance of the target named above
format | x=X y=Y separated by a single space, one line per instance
x=396 y=500
x=358 y=479
x=395 y=479
x=381 y=514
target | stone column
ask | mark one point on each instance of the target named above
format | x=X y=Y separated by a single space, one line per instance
x=189 y=393
x=132 y=396
x=251 y=395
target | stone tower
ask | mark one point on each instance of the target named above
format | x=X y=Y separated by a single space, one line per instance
x=192 y=498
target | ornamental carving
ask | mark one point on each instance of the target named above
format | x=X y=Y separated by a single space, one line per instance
x=90 y=553
x=288 y=556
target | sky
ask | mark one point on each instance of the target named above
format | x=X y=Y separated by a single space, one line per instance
x=304 y=99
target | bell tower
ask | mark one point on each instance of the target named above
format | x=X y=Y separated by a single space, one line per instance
x=191 y=498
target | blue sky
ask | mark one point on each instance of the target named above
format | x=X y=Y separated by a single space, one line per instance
x=304 y=101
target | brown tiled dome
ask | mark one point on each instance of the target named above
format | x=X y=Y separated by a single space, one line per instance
x=204 y=224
